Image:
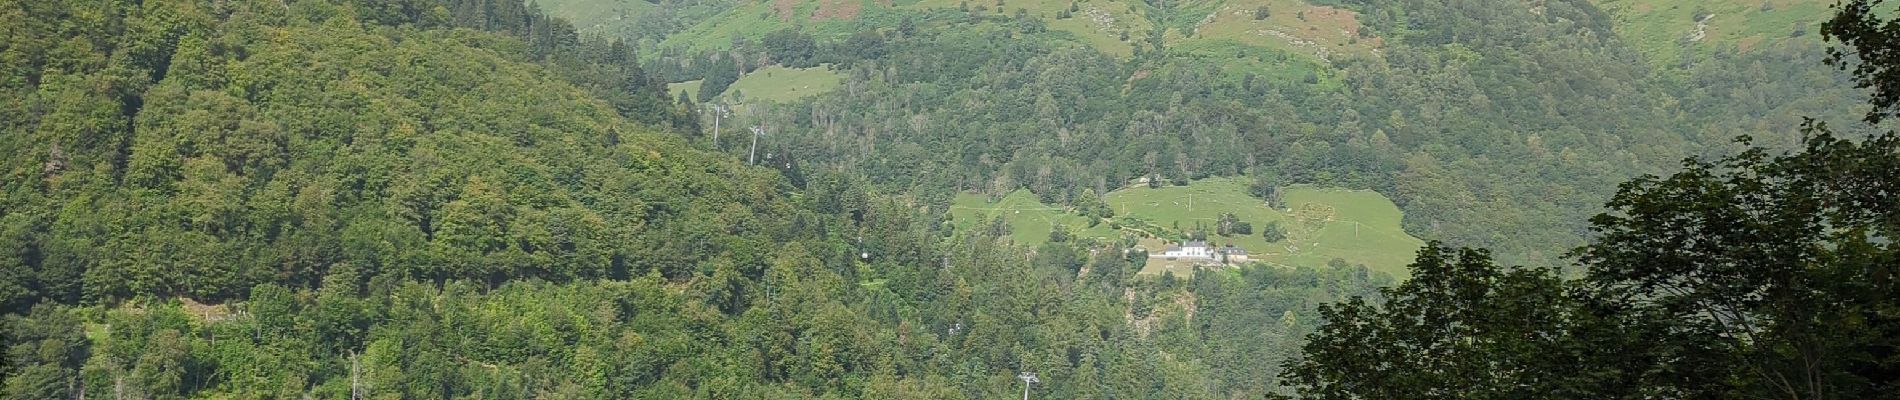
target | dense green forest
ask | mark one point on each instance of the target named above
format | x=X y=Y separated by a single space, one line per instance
x=466 y=200
x=392 y=199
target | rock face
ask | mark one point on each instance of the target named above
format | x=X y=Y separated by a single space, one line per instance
x=1701 y=28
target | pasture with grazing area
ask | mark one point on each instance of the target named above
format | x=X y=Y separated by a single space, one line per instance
x=780 y=84
x=1098 y=23
x=1322 y=224
x=1307 y=31
x=1316 y=32
x=1359 y=226
x=775 y=84
x=600 y=18
x=1029 y=220
x=832 y=19
x=1665 y=29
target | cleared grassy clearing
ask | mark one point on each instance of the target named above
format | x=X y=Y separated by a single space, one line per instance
x=780 y=84
x=1358 y=226
x=599 y=17
x=1323 y=224
x=1318 y=33
x=1029 y=220
x=1099 y=23
x=1667 y=30
x=770 y=84
x=1315 y=33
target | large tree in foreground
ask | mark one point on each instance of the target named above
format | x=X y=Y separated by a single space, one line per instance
x=1755 y=276
x=1873 y=52
x=1465 y=328
x=1750 y=277
x=1785 y=263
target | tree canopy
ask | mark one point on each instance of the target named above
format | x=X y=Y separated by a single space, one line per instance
x=470 y=199
x=464 y=199
x=1756 y=275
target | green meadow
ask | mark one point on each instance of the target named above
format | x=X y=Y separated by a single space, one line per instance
x=1292 y=26
x=1098 y=23
x=1322 y=224
x=774 y=84
x=1665 y=30
x=1029 y=220
x=1295 y=27
x=780 y=84
x=750 y=20
x=598 y=17
x=1359 y=226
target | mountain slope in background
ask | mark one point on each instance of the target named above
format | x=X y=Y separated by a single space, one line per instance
x=1680 y=33
x=1500 y=124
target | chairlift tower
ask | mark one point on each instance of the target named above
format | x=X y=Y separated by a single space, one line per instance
x=719 y=111
x=752 y=157
x=1028 y=379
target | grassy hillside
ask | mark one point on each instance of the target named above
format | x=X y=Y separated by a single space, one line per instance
x=780 y=84
x=774 y=84
x=1115 y=27
x=1361 y=227
x=599 y=17
x=827 y=19
x=1293 y=26
x=1668 y=30
x=1323 y=224
x=1099 y=23
x=1029 y=220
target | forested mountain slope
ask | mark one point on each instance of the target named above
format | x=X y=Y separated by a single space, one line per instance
x=1501 y=123
x=194 y=150
x=464 y=199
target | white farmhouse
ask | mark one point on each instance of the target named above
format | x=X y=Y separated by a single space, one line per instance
x=1191 y=249
x=1202 y=252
